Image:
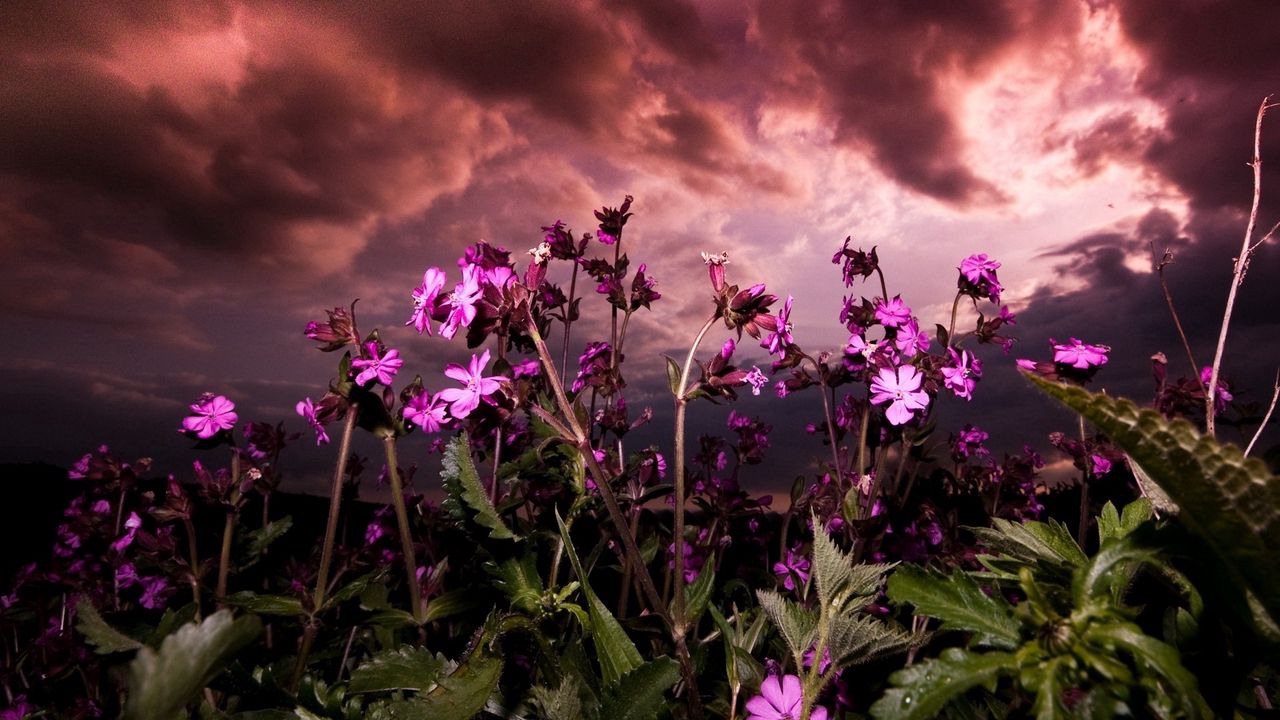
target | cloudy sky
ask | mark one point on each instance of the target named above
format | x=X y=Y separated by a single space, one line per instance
x=183 y=186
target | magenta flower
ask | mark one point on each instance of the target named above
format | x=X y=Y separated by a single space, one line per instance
x=307 y=409
x=893 y=313
x=1222 y=396
x=781 y=699
x=778 y=341
x=756 y=380
x=381 y=368
x=213 y=414
x=979 y=267
x=461 y=303
x=153 y=592
x=1101 y=465
x=963 y=374
x=426 y=412
x=424 y=299
x=715 y=268
x=131 y=526
x=911 y=340
x=462 y=401
x=1079 y=355
x=900 y=387
x=793 y=569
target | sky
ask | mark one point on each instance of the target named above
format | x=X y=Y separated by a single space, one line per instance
x=184 y=185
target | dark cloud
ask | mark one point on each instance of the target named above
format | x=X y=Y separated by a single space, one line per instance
x=882 y=71
x=1118 y=138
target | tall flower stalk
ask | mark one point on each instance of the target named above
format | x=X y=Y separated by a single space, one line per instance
x=402 y=519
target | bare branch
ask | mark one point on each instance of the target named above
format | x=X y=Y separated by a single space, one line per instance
x=1160 y=264
x=1241 y=264
x=1275 y=395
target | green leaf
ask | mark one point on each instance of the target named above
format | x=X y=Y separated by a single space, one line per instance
x=924 y=689
x=409 y=668
x=698 y=593
x=462 y=482
x=104 y=638
x=263 y=537
x=1153 y=655
x=1230 y=501
x=854 y=639
x=451 y=603
x=839 y=581
x=958 y=602
x=798 y=626
x=162 y=683
x=563 y=703
x=673 y=377
x=1159 y=499
x=615 y=651
x=457 y=697
x=519 y=580
x=281 y=605
x=639 y=694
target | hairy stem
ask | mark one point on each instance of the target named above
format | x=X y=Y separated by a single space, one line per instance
x=1083 y=528
x=564 y=352
x=1238 y=271
x=193 y=557
x=678 y=530
x=402 y=519
x=335 y=507
x=831 y=421
x=951 y=329
x=228 y=528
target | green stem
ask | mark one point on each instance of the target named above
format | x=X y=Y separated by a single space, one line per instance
x=831 y=423
x=951 y=329
x=229 y=527
x=194 y=559
x=402 y=519
x=1083 y=528
x=678 y=531
x=335 y=507
x=564 y=353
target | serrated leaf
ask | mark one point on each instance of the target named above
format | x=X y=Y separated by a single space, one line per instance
x=639 y=694
x=519 y=580
x=1230 y=501
x=1153 y=655
x=958 y=602
x=924 y=689
x=798 y=626
x=409 y=668
x=1159 y=499
x=462 y=482
x=280 y=605
x=839 y=581
x=854 y=639
x=457 y=697
x=614 y=649
x=261 y=539
x=563 y=703
x=98 y=633
x=161 y=683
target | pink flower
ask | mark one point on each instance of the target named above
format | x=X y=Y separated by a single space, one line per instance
x=1101 y=465
x=793 y=569
x=963 y=375
x=893 y=313
x=781 y=699
x=426 y=412
x=756 y=380
x=911 y=339
x=977 y=268
x=307 y=409
x=381 y=368
x=461 y=303
x=900 y=387
x=1079 y=355
x=715 y=267
x=424 y=299
x=462 y=401
x=213 y=414
x=777 y=342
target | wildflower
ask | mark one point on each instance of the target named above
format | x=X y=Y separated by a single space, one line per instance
x=749 y=310
x=538 y=265
x=612 y=220
x=856 y=262
x=793 y=569
x=969 y=442
x=379 y=367
x=756 y=380
x=338 y=332
x=781 y=338
x=901 y=385
x=307 y=409
x=461 y=303
x=153 y=592
x=642 y=292
x=978 y=277
x=462 y=401
x=715 y=267
x=593 y=367
x=911 y=339
x=561 y=242
x=213 y=414
x=527 y=367
x=963 y=374
x=893 y=313
x=1079 y=355
x=426 y=412
x=807 y=657
x=781 y=699
x=424 y=299
x=1222 y=395
x=1101 y=465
